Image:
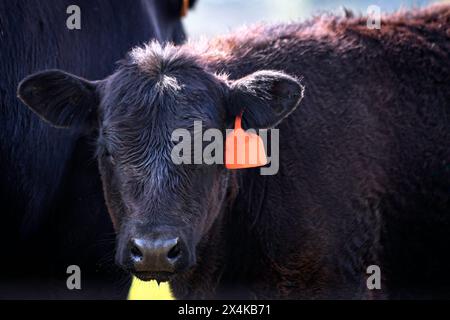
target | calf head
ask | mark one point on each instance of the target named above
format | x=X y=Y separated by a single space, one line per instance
x=160 y=210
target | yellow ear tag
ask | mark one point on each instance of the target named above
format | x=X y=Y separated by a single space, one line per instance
x=244 y=149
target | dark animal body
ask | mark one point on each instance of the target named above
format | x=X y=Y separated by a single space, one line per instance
x=364 y=173
x=53 y=213
x=364 y=164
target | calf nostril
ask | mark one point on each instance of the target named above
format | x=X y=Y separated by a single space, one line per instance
x=174 y=252
x=136 y=253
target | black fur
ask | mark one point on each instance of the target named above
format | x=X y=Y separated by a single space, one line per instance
x=364 y=161
x=53 y=212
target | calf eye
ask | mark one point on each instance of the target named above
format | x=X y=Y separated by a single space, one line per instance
x=109 y=157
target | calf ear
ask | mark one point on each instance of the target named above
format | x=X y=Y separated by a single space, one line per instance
x=265 y=98
x=60 y=98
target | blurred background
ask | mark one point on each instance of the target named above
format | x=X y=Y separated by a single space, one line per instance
x=213 y=17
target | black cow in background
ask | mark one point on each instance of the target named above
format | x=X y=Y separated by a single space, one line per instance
x=52 y=208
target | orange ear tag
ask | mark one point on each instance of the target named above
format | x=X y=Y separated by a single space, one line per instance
x=184 y=8
x=244 y=149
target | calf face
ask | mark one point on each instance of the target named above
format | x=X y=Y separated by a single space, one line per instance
x=160 y=210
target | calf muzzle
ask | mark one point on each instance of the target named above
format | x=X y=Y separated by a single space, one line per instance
x=157 y=258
